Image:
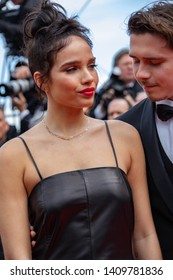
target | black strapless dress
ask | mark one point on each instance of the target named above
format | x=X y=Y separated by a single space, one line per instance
x=82 y=215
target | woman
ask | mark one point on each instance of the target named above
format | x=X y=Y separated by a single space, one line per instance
x=70 y=170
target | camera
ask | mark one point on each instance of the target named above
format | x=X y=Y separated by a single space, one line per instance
x=15 y=86
x=9 y=15
x=114 y=83
x=114 y=88
x=3 y=3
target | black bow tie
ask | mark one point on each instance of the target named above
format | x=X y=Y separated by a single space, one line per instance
x=164 y=112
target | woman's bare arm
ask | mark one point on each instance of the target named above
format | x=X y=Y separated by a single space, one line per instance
x=14 y=225
x=145 y=242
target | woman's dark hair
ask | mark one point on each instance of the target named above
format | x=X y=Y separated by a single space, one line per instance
x=46 y=31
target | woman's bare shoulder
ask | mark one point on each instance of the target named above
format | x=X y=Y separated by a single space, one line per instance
x=123 y=128
x=12 y=149
x=126 y=135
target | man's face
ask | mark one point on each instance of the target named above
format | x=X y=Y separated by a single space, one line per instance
x=153 y=65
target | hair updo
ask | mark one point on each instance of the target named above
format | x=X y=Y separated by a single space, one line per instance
x=46 y=31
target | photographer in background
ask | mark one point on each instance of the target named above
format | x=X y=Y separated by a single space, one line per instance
x=11 y=22
x=31 y=108
x=22 y=91
x=120 y=84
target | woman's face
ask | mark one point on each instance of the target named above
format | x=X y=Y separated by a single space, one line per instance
x=73 y=78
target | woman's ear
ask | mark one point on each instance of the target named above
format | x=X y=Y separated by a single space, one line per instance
x=41 y=84
x=37 y=78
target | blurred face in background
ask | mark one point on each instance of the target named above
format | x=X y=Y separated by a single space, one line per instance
x=21 y=72
x=117 y=107
x=125 y=64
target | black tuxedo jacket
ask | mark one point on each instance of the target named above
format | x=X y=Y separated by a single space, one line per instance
x=160 y=183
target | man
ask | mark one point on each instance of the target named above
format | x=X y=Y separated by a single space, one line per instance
x=32 y=109
x=151 y=47
x=11 y=24
x=116 y=107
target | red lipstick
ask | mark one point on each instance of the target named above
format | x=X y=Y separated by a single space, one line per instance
x=88 y=91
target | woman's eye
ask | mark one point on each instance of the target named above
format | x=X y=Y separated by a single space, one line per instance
x=93 y=65
x=71 y=69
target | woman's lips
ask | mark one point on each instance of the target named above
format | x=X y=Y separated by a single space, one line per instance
x=88 y=92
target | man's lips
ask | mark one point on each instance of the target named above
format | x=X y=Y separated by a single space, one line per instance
x=146 y=86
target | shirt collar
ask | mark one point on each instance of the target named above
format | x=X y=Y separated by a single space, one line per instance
x=165 y=101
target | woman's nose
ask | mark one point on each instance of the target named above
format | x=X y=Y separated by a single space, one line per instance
x=87 y=76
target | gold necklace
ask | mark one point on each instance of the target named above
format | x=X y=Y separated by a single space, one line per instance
x=67 y=138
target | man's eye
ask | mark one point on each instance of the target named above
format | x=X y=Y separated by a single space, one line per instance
x=135 y=61
x=155 y=62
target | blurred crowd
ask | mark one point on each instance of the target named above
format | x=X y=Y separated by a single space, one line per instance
x=120 y=92
x=20 y=88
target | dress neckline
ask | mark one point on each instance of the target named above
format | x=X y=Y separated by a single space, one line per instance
x=73 y=171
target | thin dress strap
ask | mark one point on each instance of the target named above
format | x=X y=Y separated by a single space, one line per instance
x=111 y=142
x=29 y=152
